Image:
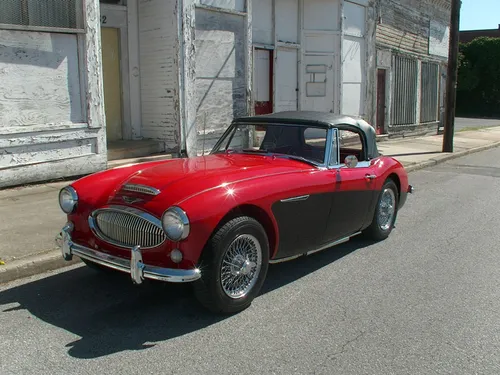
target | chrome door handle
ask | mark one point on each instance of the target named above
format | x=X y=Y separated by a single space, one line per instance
x=370 y=176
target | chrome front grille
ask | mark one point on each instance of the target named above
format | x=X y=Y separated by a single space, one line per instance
x=127 y=227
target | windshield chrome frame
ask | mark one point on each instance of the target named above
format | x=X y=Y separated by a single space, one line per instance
x=328 y=144
x=333 y=133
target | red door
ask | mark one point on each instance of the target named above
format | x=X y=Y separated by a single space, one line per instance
x=263 y=81
x=353 y=194
x=381 y=80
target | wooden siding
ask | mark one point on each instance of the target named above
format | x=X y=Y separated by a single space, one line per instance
x=158 y=43
x=390 y=36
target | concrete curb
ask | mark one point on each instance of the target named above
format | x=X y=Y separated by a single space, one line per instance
x=33 y=265
x=52 y=260
x=434 y=161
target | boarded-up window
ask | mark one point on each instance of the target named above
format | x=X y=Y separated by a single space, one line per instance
x=404 y=98
x=429 y=94
x=65 y=14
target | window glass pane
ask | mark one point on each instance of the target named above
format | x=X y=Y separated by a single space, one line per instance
x=334 y=155
x=42 y=13
x=350 y=144
x=301 y=141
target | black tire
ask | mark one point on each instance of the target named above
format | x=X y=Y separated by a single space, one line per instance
x=375 y=231
x=209 y=290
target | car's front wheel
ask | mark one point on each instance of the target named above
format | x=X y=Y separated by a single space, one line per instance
x=385 y=212
x=234 y=266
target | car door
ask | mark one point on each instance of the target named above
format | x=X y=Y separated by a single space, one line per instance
x=353 y=192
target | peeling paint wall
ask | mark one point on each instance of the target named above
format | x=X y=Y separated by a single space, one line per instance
x=40 y=79
x=417 y=30
x=220 y=73
x=159 y=65
x=405 y=25
x=51 y=103
x=354 y=59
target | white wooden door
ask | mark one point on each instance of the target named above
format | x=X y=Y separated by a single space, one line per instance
x=286 y=80
x=318 y=83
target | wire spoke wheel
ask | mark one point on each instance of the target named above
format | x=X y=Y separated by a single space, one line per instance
x=241 y=266
x=386 y=209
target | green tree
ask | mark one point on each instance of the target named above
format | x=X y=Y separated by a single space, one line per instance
x=478 y=91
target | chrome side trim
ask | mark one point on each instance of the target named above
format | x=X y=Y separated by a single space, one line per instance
x=321 y=248
x=135 y=267
x=295 y=199
x=282 y=260
x=144 y=189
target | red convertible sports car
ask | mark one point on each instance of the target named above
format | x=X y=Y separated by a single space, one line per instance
x=273 y=188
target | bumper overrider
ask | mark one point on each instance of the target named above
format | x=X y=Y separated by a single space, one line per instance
x=135 y=266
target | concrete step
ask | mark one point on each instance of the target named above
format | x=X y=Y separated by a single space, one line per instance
x=142 y=159
x=132 y=149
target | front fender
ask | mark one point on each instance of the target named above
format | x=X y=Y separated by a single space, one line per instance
x=206 y=211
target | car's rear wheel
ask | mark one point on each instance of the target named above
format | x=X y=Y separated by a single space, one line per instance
x=234 y=266
x=385 y=212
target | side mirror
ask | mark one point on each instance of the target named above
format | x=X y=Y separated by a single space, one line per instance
x=351 y=161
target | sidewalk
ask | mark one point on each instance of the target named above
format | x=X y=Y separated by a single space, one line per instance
x=31 y=217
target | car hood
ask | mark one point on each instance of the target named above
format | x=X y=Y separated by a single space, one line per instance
x=178 y=179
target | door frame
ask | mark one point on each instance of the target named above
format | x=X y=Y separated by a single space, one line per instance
x=387 y=110
x=119 y=17
x=256 y=48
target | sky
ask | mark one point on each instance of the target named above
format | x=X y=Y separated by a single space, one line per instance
x=479 y=14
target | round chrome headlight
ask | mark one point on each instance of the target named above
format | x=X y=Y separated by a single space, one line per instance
x=68 y=199
x=175 y=224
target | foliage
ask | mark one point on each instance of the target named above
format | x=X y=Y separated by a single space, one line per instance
x=478 y=91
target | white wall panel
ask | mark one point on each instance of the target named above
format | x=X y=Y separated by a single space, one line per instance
x=262 y=22
x=321 y=14
x=287 y=20
x=355 y=22
x=325 y=43
x=159 y=71
x=262 y=78
x=354 y=75
x=318 y=83
x=39 y=79
x=220 y=73
x=286 y=80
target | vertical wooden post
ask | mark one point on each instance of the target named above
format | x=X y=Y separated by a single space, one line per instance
x=451 y=81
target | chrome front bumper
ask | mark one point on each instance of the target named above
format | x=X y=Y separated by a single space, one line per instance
x=135 y=266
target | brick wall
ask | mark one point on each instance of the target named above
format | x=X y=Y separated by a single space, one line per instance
x=159 y=71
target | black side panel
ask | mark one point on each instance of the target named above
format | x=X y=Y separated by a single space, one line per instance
x=301 y=224
x=350 y=211
x=371 y=209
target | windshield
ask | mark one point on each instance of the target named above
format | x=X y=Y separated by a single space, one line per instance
x=298 y=142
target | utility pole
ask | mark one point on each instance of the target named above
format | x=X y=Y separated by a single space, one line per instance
x=452 y=76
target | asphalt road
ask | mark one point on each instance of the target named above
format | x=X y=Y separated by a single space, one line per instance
x=462 y=123
x=425 y=301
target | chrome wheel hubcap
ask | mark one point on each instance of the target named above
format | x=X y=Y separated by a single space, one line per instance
x=386 y=209
x=241 y=266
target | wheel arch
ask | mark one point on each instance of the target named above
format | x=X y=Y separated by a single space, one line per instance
x=394 y=177
x=258 y=214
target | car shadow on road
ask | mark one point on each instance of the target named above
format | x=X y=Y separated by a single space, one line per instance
x=112 y=315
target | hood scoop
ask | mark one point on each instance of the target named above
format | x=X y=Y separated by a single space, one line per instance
x=143 y=189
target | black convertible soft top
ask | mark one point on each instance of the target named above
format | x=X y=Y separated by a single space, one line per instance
x=319 y=119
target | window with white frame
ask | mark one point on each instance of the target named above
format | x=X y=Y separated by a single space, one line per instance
x=60 y=14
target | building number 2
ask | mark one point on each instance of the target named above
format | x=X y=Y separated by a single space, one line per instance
x=104 y=19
